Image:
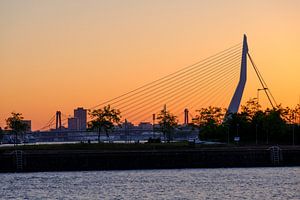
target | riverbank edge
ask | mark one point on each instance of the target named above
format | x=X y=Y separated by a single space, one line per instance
x=84 y=160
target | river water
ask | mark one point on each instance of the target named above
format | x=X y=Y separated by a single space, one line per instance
x=229 y=183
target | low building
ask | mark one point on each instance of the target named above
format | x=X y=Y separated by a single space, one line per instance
x=72 y=123
x=145 y=126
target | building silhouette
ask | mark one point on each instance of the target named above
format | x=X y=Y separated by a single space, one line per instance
x=79 y=121
x=80 y=115
x=72 y=124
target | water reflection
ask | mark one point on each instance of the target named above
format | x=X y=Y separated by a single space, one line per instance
x=236 y=183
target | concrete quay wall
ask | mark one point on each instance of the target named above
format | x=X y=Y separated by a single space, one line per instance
x=76 y=160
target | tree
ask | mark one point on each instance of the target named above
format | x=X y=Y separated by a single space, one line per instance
x=297 y=113
x=16 y=124
x=167 y=122
x=104 y=120
x=251 y=108
x=251 y=118
x=274 y=125
x=208 y=121
x=257 y=125
x=209 y=115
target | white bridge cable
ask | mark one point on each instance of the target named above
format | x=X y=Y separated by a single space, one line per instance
x=204 y=100
x=175 y=87
x=165 y=86
x=216 y=89
x=179 y=98
x=177 y=93
x=235 y=47
x=175 y=108
x=162 y=89
x=262 y=81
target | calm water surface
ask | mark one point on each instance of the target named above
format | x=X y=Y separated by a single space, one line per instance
x=235 y=183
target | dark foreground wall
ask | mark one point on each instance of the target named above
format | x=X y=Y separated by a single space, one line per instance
x=69 y=160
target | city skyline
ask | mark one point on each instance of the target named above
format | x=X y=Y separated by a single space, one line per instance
x=61 y=55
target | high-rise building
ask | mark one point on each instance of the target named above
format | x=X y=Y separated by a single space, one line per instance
x=80 y=115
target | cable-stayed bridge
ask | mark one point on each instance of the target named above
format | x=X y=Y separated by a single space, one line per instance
x=218 y=80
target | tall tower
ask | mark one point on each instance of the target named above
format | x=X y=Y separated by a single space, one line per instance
x=237 y=97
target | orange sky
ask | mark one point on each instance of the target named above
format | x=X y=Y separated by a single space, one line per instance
x=58 y=55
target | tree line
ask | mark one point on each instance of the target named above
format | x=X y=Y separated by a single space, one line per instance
x=252 y=125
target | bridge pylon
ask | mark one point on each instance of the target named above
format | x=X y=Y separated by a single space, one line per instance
x=58 y=120
x=237 y=97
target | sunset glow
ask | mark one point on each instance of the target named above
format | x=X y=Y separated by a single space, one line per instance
x=60 y=55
